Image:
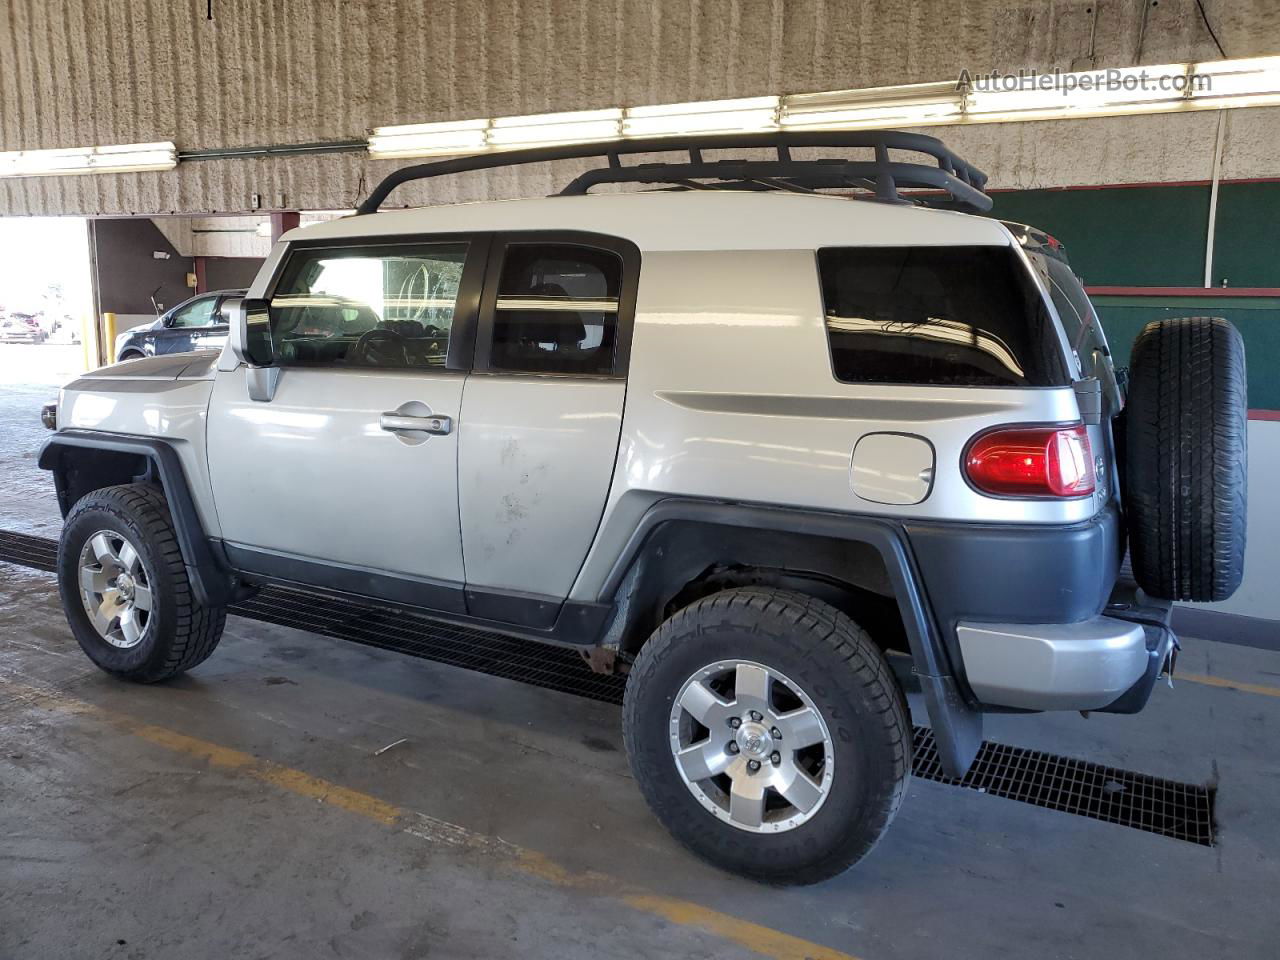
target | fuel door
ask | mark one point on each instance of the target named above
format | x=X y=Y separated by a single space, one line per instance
x=894 y=468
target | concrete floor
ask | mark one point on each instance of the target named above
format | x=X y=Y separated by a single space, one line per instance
x=244 y=811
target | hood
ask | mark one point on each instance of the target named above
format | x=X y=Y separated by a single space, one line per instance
x=196 y=365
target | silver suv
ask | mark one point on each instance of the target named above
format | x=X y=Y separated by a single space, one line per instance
x=735 y=436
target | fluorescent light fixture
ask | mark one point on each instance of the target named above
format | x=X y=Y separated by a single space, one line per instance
x=1090 y=93
x=579 y=126
x=748 y=115
x=117 y=158
x=428 y=139
x=1252 y=82
x=913 y=105
x=1215 y=85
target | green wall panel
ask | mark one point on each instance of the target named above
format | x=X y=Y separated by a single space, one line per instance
x=1246 y=246
x=1121 y=236
x=1257 y=319
x=1155 y=236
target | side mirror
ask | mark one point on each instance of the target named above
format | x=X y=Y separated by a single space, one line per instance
x=249 y=343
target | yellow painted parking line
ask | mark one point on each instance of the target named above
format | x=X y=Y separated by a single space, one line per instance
x=764 y=941
x=1259 y=688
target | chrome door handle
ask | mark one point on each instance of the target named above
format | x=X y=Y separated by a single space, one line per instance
x=432 y=424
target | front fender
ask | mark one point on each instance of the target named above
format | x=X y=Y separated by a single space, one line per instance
x=86 y=460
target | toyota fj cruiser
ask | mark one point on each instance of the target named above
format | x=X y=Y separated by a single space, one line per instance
x=734 y=436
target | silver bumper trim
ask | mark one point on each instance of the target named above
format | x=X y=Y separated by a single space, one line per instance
x=1053 y=666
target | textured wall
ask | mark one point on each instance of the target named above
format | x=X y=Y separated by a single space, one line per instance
x=76 y=72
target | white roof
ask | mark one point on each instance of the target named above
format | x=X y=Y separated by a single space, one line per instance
x=693 y=220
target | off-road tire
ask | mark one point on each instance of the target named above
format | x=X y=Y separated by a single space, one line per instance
x=181 y=633
x=1186 y=452
x=849 y=681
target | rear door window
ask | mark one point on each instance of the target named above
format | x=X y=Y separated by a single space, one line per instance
x=955 y=316
x=556 y=310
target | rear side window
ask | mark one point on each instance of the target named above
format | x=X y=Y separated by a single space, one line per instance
x=557 y=310
x=958 y=316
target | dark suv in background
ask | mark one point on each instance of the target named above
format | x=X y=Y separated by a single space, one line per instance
x=196 y=324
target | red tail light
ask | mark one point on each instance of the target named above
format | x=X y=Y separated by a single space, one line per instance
x=1032 y=462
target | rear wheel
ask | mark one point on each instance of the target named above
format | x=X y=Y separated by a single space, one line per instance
x=768 y=734
x=1185 y=458
x=125 y=590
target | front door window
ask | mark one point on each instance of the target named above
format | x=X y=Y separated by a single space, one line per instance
x=372 y=306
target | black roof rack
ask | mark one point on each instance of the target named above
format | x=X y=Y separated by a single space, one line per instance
x=962 y=182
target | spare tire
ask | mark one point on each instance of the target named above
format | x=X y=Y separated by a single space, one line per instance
x=1185 y=458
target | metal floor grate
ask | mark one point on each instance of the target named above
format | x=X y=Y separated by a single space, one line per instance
x=542 y=665
x=28 y=551
x=1179 y=810
x=1182 y=811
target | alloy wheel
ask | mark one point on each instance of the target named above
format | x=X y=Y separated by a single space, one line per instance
x=115 y=587
x=751 y=746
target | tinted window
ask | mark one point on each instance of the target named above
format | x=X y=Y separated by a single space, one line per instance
x=198 y=313
x=557 y=310
x=381 y=306
x=967 y=316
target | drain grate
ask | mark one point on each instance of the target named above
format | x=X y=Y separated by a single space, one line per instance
x=1179 y=810
x=28 y=551
x=1182 y=811
x=542 y=665
x=512 y=658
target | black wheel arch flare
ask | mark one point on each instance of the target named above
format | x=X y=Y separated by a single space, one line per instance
x=86 y=460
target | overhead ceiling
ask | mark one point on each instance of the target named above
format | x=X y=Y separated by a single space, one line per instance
x=272 y=72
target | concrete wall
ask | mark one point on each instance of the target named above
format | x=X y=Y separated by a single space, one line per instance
x=127 y=273
x=288 y=71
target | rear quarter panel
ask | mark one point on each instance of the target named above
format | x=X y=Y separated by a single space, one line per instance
x=731 y=396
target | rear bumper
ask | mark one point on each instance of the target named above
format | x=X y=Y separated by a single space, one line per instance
x=1109 y=662
x=1053 y=666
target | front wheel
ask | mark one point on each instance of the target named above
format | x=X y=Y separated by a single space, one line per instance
x=125 y=590
x=768 y=734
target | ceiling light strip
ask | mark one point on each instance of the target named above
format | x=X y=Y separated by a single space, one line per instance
x=116 y=158
x=1230 y=84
